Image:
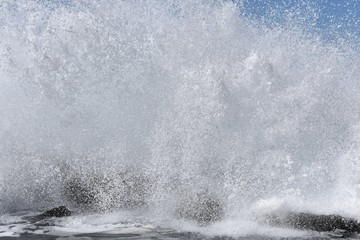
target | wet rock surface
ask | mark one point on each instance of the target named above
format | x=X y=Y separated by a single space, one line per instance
x=340 y=226
x=57 y=212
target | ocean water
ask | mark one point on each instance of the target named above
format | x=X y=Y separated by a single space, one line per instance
x=187 y=97
x=130 y=225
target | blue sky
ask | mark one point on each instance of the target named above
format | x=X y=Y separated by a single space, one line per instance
x=333 y=17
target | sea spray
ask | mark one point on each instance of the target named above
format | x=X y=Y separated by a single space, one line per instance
x=193 y=96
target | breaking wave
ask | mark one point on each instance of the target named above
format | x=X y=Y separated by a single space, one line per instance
x=192 y=95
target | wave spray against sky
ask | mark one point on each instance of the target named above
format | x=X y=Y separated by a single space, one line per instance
x=195 y=95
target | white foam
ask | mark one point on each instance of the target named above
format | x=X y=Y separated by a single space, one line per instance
x=191 y=94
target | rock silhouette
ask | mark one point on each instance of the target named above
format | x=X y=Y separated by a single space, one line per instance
x=122 y=190
x=315 y=222
x=57 y=212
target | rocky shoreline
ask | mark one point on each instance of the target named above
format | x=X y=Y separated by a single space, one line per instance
x=340 y=226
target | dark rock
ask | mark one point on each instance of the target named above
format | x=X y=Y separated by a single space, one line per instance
x=309 y=221
x=121 y=190
x=202 y=208
x=61 y=211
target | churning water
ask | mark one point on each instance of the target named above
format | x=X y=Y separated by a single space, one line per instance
x=192 y=95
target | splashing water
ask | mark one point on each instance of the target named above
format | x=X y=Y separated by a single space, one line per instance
x=194 y=96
